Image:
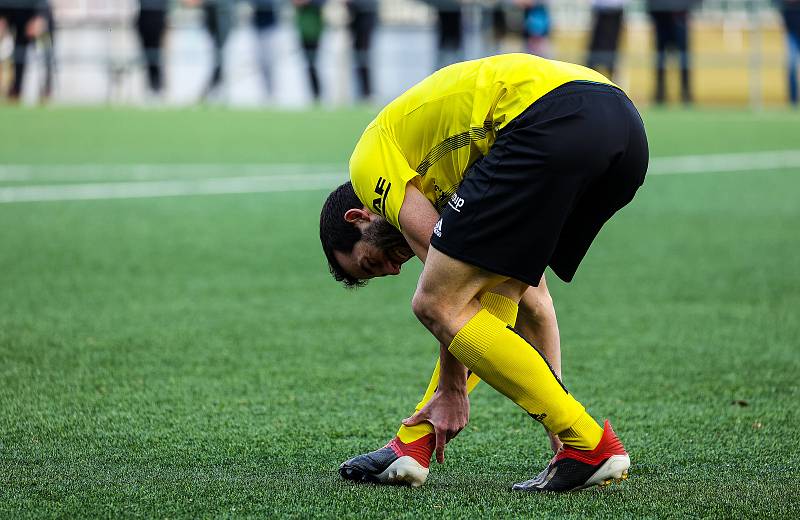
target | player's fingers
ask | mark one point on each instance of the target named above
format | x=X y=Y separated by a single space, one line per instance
x=415 y=419
x=441 y=439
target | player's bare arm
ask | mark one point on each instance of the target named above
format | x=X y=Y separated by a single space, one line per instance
x=417 y=219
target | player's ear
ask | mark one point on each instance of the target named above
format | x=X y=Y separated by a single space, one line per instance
x=356 y=215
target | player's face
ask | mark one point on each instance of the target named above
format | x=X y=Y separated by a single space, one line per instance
x=381 y=251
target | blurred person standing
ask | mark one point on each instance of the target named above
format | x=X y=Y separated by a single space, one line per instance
x=450 y=29
x=27 y=21
x=151 y=25
x=671 y=25
x=363 y=19
x=604 y=41
x=498 y=26
x=449 y=32
x=308 y=16
x=265 y=21
x=218 y=20
x=537 y=26
x=790 y=9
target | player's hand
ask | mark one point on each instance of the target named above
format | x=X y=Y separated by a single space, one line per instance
x=555 y=442
x=448 y=412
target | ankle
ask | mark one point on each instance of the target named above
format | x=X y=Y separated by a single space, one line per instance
x=420 y=450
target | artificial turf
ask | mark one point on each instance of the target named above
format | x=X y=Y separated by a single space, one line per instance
x=191 y=357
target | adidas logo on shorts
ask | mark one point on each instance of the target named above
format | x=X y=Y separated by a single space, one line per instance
x=437 y=229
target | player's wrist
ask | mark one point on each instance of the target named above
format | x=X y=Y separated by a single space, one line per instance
x=452 y=385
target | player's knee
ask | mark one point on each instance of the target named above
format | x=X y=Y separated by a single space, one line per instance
x=428 y=309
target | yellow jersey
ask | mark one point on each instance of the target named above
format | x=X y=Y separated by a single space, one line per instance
x=435 y=130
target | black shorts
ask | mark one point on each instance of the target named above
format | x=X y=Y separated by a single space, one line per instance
x=553 y=177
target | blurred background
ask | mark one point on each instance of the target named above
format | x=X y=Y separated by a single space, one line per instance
x=293 y=53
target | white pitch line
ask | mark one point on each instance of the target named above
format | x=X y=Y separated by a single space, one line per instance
x=255 y=178
x=727 y=162
x=132 y=172
x=133 y=190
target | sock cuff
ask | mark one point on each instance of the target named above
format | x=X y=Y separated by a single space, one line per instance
x=409 y=434
x=504 y=308
x=583 y=434
x=474 y=338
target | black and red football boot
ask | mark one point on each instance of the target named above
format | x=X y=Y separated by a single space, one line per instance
x=573 y=469
x=395 y=463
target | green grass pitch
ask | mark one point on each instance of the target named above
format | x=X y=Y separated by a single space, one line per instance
x=191 y=357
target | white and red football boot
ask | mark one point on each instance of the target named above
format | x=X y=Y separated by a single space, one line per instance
x=395 y=463
x=573 y=469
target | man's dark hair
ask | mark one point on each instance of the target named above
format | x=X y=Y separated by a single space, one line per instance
x=336 y=234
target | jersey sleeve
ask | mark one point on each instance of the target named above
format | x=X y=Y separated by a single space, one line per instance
x=379 y=173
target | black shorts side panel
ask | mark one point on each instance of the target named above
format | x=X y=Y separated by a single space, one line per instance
x=551 y=180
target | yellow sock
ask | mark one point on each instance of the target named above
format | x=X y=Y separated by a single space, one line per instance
x=500 y=306
x=411 y=433
x=585 y=434
x=516 y=369
x=504 y=308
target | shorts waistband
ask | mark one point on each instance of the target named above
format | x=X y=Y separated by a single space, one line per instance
x=580 y=87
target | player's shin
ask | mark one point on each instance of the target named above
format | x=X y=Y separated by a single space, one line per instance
x=406 y=458
x=502 y=358
x=504 y=309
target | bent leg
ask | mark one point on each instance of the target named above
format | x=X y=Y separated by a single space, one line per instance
x=500 y=306
x=446 y=303
x=393 y=463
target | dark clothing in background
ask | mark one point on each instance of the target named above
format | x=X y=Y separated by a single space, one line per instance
x=363 y=19
x=606 y=29
x=671 y=27
x=265 y=19
x=450 y=32
x=310 y=24
x=672 y=33
x=18 y=14
x=264 y=15
x=151 y=25
x=218 y=20
x=791 y=19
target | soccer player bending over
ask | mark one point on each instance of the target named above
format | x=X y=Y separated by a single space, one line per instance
x=489 y=171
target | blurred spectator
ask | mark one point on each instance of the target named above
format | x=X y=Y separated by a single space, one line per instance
x=537 y=26
x=790 y=9
x=151 y=25
x=265 y=20
x=498 y=26
x=308 y=15
x=671 y=23
x=604 y=41
x=449 y=32
x=47 y=39
x=27 y=21
x=363 y=19
x=218 y=18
